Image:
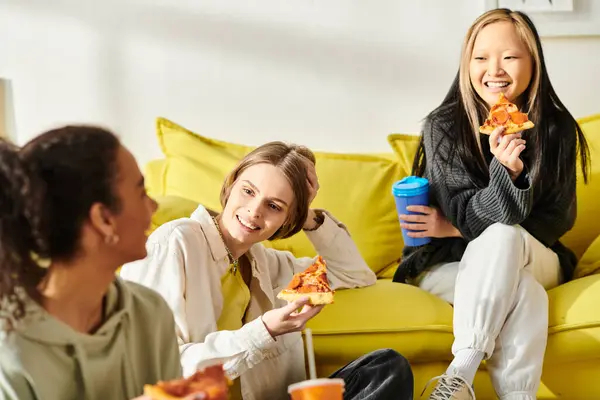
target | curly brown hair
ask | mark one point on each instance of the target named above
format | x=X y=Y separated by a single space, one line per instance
x=47 y=190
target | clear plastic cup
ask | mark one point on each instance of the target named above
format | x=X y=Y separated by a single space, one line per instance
x=317 y=389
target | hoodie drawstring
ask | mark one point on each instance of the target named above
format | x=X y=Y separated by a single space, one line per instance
x=128 y=372
x=73 y=352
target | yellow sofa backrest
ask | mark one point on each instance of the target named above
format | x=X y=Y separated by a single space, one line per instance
x=354 y=187
x=586 y=228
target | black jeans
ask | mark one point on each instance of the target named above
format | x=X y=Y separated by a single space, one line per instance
x=380 y=375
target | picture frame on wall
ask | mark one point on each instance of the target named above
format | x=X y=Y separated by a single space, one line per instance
x=537 y=5
x=557 y=18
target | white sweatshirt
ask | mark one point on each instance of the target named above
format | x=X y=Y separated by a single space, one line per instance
x=186 y=260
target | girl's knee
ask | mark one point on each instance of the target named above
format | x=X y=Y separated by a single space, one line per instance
x=389 y=356
x=498 y=230
x=501 y=238
x=396 y=361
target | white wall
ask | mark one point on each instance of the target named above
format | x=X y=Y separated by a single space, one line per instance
x=337 y=75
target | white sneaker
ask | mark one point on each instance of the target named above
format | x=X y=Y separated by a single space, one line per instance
x=451 y=387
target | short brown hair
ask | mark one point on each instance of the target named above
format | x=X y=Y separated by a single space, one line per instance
x=291 y=160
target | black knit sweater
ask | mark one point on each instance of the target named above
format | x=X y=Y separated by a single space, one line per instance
x=546 y=216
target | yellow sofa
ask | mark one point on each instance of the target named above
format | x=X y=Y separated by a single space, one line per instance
x=357 y=189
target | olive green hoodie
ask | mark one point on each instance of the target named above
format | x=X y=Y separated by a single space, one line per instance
x=46 y=359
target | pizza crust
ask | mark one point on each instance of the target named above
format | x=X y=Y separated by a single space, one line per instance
x=487 y=129
x=156 y=393
x=316 y=298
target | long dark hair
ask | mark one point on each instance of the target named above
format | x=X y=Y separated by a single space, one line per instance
x=550 y=144
x=46 y=191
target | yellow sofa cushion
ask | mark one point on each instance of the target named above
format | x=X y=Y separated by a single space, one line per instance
x=574 y=326
x=586 y=229
x=355 y=188
x=154 y=176
x=420 y=325
x=404 y=146
x=171 y=208
x=387 y=314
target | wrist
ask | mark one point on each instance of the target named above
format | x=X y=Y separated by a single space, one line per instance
x=514 y=175
x=271 y=332
x=314 y=220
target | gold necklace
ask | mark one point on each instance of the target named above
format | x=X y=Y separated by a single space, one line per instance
x=235 y=263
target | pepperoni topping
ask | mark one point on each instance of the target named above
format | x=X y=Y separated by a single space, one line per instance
x=500 y=116
x=296 y=281
x=518 y=117
x=312 y=280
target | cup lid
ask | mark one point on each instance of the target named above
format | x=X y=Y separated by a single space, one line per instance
x=315 y=382
x=410 y=186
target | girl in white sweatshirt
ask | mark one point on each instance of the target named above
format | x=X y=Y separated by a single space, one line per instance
x=221 y=283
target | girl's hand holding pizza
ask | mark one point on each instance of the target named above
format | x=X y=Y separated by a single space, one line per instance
x=507 y=149
x=288 y=319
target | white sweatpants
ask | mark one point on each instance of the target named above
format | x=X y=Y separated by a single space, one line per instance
x=500 y=304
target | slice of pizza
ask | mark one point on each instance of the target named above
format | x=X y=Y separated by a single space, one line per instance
x=311 y=283
x=504 y=113
x=208 y=384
